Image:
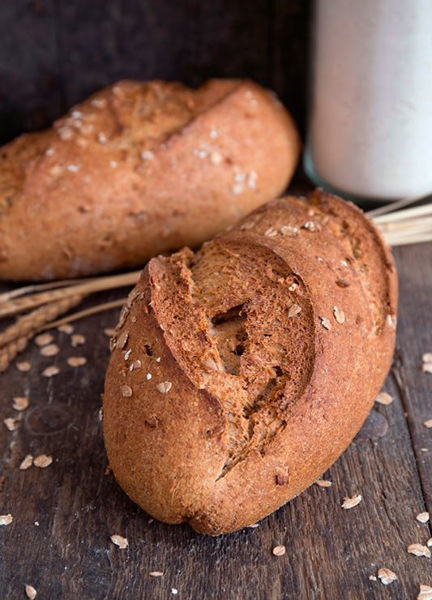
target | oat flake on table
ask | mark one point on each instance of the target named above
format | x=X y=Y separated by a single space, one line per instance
x=43 y=339
x=384 y=398
x=30 y=592
x=23 y=366
x=279 y=550
x=423 y=517
x=119 y=541
x=42 y=461
x=156 y=573
x=76 y=361
x=425 y=592
x=20 y=403
x=323 y=483
x=386 y=575
x=419 y=550
x=6 y=519
x=351 y=502
x=50 y=371
x=26 y=463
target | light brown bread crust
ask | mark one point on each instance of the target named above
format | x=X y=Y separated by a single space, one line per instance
x=241 y=372
x=139 y=169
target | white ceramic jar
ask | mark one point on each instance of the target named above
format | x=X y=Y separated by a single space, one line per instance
x=370 y=121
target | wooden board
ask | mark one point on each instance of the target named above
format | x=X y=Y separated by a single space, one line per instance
x=331 y=552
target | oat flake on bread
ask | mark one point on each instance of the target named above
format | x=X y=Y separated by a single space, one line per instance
x=262 y=402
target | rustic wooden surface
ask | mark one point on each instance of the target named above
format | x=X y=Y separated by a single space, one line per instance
x=53 y=53
x=330 y=552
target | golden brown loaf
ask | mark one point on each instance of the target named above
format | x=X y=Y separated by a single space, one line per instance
x=240 y=373
x=138 y=169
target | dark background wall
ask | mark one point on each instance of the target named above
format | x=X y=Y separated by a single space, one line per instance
x=54 y=53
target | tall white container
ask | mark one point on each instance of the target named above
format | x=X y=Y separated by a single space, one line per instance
x=370 y=121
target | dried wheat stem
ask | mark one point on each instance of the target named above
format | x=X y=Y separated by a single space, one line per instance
x=28 y=325
x=97 y=284
x=85 y=313
x=39 y=287
x=9 y=352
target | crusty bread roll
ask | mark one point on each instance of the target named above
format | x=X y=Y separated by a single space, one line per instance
x=138 y=169
x=239 y=373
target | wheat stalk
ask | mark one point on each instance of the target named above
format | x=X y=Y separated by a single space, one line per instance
x=9 y=352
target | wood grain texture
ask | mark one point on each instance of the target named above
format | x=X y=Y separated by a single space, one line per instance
x=330 y=552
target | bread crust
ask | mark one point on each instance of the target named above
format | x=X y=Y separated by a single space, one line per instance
x=139 y=169
x=273 y=341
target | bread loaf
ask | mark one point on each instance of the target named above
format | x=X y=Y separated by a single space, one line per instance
x=139 y=169
x=241 y=372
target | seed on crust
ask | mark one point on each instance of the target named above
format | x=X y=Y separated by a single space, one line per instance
x=43 y=339
x=164 y=387
x=386 y=575
x=351 y=502
x=119 y=541
x=126 y=391
x=384 y=398
x=325 y=323
x=123 y=338
x=339 y=315
x=76 y=361
x=294 y=310
x=279 y=550
x=42 y=461
x=419 y=550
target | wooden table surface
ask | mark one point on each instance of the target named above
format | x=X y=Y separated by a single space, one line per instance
x=64 y=515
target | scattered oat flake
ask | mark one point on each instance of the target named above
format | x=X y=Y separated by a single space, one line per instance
x=10 y=423
x=6 y=519
x=419 y=550
x=50 y=350
x=351 y=502
x=119 y=541
x=126 y=391
x=324 y=483
x=156 y=573
x=43 y=339
x=423 y=517
x=279 y=550
x=51 y=371
x=20 y=403
x=30 y=591
x=428 y=423
x=23 y=366
x=26 y=463
x=427 y=357
x=386 y=575
x=164 y=387
x=372 y=577
x=66 y=328
x=294 y=310
x=76 y=361
x=425 y=592
x=384 y=398
x=77 y=340
x=427 y=367
x=339 y=315
x=109 y=331
x=42 y=461
x=325 y=323
x=174 y=591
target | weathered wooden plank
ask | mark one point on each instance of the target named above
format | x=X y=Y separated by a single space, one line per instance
x=30 y=85
x=415 y=326
x=330 y=552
